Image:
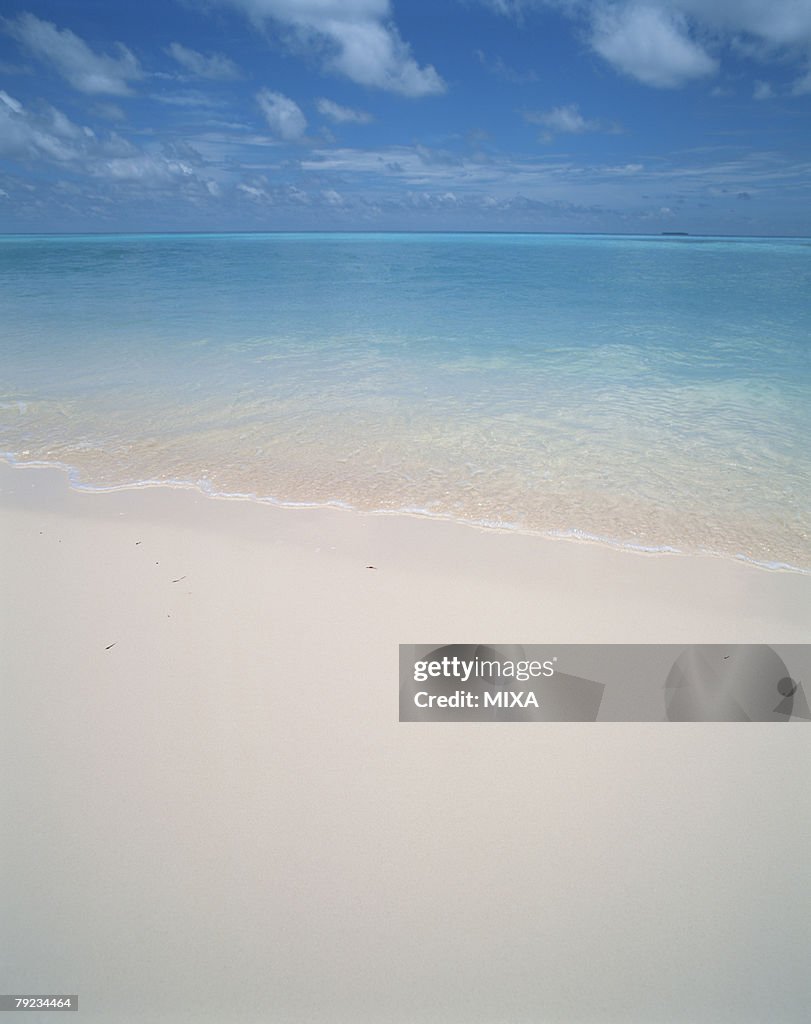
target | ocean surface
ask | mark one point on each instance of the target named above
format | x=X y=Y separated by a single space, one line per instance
x=653 y=392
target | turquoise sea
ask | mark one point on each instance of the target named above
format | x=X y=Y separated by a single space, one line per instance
x=653 y=392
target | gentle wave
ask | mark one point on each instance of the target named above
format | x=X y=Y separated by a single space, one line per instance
x=75 y=482
x=651 y=393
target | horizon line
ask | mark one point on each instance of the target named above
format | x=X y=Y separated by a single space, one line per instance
x=396 y=231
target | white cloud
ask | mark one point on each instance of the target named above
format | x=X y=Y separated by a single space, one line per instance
x=342 y=115
x=213 y=65
x=563 y=120
x=47 y=136
x=778 y=23
x=7 y=68
x=762 y=91
x=802 y=85
x=356 y=37
x=252 y=192
x=509 y=8
x=73 y=59
x=190 y=98
x=27 y=137
x=357 y=172
x=650 y=44
x=283 y=115
x=109 y=111
x=62 y=126
x=667 y=43
x=142 y=167
x=498 y=67
x=10 y=102
x=624 y=169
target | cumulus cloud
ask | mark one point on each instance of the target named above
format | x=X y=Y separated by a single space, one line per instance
x=563 y=120
x=763 y=91
x=668 y=43
x=342 y=115
x=10 y=103
x=109 y=111
x=498 y=67
x=7 y=68
x=213 y=65
x=28 y=137
x=775 y=23
x=802 y=85
x=192 y=99
x=143 y=168
x=511 y=8
x=651 y=44
x=254 y=192
x=73 y=59
x=356 y=38
x=47 y=136
x=284 y=116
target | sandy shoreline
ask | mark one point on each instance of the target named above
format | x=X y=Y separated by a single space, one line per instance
x=211 y=801
x=481 y=581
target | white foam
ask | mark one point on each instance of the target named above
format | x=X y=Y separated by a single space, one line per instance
x=572 y=534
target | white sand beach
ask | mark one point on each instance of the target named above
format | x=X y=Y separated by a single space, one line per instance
x=211 y=811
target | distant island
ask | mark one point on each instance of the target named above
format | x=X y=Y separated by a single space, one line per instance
x=681 y=233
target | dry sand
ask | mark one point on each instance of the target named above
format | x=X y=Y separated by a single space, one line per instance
x=211 y=813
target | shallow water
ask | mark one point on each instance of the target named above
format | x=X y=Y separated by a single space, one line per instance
x=648 y=391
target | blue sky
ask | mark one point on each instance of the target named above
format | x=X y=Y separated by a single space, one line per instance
x=533 y=115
